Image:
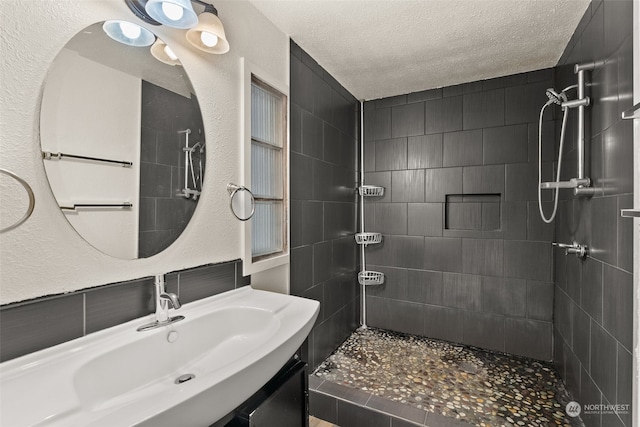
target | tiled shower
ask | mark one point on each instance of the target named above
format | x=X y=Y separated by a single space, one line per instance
x=466 y=256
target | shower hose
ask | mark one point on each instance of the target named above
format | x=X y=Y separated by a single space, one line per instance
x=557 y=189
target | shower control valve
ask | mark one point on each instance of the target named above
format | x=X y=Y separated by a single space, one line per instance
x=581 y=251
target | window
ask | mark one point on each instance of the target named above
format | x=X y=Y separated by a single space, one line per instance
x=265 y=171
x=268 y=140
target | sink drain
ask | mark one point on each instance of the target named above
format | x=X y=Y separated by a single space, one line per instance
x=184 y=378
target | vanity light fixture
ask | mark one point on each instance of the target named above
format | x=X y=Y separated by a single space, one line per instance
x=172 y=13
x=164 y=53
x=206 y=31
x=128 y=33
x=209 y=35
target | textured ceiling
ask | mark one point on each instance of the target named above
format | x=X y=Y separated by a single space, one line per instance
x=384 y=48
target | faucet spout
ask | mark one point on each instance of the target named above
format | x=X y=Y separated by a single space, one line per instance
x=172 y=299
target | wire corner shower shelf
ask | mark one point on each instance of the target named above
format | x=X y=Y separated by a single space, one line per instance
x=368 y=278
x=368 y=238
x=371 y=191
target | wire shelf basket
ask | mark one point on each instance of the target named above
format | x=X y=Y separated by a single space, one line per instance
x=367 y=278
x=371 y=190
x=368 y=238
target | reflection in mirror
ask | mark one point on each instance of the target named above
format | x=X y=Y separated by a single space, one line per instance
x=123 y=144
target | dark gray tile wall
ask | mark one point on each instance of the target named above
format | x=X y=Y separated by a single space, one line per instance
x=324 y=176
x=164 y=211
x=465 y=256
x=33 y=325
x=593 y=307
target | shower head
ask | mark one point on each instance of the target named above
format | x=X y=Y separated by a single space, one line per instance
x=555 y=97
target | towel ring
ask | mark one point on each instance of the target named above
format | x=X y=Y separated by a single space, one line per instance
x=32 y=200
x=238 y=201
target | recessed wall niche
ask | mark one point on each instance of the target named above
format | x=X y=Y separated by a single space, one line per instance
x=478 y=212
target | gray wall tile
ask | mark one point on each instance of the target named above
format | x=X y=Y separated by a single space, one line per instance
x=504 y=296
x=206 y=281
x=424 y=219
x=440 y=182
x=618 y=304
x=391 y=218
x=523 y=102
x=461 y=291
x=483 y=179
x=527 y=260
x=424 y=151
x=505 y=144
x=462 y=148
x=582 y=336
x=407 y=120
x=312 y=135
x=133 y=301
x=605 y=231
x=482 y=256
x=391 y=154
x=443 y=115
x=624 y=395
x=443 y=323
x=604 y=356
x=625 y=235
x=408 y=186
x=41 y=324
x=483 y=330
x=443 y=254
x=407 y=251
x=529 y=338
x=484 y=109
x=424 y=287
x=377 y=124
x=539 y=300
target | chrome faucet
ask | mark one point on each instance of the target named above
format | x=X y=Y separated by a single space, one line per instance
x=163 y=300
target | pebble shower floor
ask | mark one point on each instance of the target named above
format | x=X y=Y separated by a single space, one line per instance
x=479 y=387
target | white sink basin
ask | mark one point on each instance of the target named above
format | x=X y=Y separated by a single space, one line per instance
x=232 y=343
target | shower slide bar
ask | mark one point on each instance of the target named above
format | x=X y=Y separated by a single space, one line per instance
x=581 y=184
x=187 y=192
x=97 y=205
x=47 y=155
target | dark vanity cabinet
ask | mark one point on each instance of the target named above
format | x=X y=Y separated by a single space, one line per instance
x=282 y=402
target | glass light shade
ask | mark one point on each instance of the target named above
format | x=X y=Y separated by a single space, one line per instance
x=128 y=33
x=162 y=53
x=172 y=13
x=211 y=24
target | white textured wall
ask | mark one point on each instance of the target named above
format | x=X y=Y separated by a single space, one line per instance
x=45 y=255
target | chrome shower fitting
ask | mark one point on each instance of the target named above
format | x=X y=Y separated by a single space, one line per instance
x=555 y=97
x=581 y=251
x=581 y=184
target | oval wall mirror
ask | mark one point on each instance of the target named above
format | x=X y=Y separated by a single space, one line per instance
x=122 y=141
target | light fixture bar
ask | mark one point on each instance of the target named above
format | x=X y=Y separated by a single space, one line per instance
x=138 y=9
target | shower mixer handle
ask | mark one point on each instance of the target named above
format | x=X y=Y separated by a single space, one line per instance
x=572 y=183
x=579 y=250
